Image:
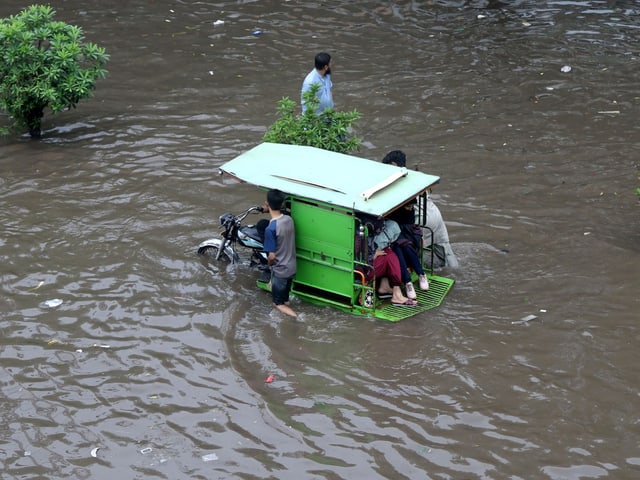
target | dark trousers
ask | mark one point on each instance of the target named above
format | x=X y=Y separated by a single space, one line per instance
x=407 y=257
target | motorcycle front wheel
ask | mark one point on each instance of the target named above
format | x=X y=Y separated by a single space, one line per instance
x=209 y=250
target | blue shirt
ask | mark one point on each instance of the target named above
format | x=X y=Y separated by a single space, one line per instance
x=324 y=94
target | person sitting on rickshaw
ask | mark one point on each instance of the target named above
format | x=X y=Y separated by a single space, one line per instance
x=387 y=266
x=407 y=247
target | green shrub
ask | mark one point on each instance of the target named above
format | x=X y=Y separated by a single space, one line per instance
x=329 y=130
x=44 y=63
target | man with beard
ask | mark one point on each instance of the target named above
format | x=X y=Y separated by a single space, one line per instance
x=321 y=75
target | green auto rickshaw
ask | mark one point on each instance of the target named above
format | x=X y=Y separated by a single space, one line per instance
x=332 y=198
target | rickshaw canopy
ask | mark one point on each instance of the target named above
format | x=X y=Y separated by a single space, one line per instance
x=338 y=179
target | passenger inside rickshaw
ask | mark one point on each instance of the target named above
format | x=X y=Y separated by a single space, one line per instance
x=377 y=261
x=408 y=247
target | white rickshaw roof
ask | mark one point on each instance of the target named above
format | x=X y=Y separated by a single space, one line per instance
x=338 y=179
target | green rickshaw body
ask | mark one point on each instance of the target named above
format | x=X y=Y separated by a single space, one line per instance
x=328 y=195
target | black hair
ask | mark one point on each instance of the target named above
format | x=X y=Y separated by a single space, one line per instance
x=395 y=156
x=322 y=60
x=275 y=199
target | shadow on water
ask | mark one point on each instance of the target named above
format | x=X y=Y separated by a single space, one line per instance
x=159 y=362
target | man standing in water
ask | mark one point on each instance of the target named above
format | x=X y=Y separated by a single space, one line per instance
x=280 y=244
x=321 y=75
x=443 y=253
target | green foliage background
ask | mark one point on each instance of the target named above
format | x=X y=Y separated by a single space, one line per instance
x=44 y=63
x=329 y=130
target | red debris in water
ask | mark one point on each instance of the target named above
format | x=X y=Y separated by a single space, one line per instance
x=269 y=379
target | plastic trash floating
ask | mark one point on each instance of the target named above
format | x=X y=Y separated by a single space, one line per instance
x=54 y=302
x=526 y=319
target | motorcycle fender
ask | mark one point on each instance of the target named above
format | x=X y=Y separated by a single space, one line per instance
x=212 y=242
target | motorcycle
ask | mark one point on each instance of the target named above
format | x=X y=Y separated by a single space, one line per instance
x=234 y=233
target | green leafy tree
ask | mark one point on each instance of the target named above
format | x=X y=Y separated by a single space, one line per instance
x=329 y=130
x=44 y=63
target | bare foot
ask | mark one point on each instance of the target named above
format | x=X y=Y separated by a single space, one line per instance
x=384 y=286
x=287 y=310
x=398 y=297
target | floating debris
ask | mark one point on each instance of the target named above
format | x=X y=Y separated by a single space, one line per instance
x=209 y=457
x=94 y=452
x=146 y=450
x=54 y=302
x=526 y=319
x=565 y=69
x=217 y=23
x=269 y=379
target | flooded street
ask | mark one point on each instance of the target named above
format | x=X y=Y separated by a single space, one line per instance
x=123 y=357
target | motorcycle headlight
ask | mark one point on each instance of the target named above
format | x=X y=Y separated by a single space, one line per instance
x=226 y=219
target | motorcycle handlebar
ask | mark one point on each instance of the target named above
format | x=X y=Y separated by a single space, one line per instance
x=255 y=208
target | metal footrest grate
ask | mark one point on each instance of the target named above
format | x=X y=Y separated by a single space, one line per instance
x=432 y=298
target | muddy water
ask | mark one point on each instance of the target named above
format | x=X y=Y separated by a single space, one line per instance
x=160 y=364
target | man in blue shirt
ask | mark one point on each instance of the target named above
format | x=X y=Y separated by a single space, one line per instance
x=321 y=75
x=280 y=244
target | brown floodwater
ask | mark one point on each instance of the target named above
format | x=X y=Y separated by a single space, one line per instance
x=160 y=363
